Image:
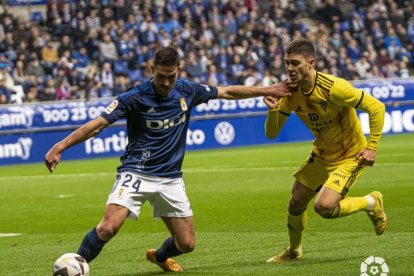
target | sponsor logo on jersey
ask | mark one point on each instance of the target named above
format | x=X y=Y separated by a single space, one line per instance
x=224 y=133
x=183 y=104
x=336 y=182
x=166 y=123
x=313 y=117
x=111 y=107
x=20 y=149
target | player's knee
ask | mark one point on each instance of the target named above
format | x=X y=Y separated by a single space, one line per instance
x=324 y=210
x=296 y=206
x=186 y=246
x=106 y=230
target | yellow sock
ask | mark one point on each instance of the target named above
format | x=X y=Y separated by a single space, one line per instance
x=296 y=225
x=350 y=205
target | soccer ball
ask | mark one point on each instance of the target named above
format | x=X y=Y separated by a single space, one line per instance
x=71 y=264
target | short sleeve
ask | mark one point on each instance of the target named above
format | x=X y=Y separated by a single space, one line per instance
x=202 y=93
x=115 y=111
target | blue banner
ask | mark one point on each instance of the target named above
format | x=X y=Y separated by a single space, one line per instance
x=62 y=114
x=202 y=134
x=26 y=2
x=50 y=115
x=28 y=131
x=388 y=90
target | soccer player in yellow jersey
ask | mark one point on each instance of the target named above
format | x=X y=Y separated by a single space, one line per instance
x=327 y=106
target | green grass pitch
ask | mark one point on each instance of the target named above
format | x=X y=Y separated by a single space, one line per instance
x=239 y=197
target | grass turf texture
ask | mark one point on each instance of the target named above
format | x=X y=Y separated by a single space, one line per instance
x=239 y=197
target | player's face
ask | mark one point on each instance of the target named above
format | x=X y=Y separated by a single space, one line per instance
x=164 y=78
x=298 y=67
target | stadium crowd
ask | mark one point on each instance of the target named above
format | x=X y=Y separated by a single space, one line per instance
x=86 y=49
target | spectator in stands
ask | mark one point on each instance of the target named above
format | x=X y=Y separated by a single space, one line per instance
x=236 y=70
x=63 y=90
x=392 y=43
x=35 y=69
x=81 y=60
x=32 y=93
x=215 y=31
x=122 y=85
x=362 y=66
x=107 y=50
x=107 y=80
x=48 y=93
x=383 y=59
x=403 y=70
x=93 y=21
x=19 y=74
x=5 y=93
x=49 y=56
x=65 y=45
x=193 y=66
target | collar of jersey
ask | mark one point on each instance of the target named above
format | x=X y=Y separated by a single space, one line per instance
x=313 y=88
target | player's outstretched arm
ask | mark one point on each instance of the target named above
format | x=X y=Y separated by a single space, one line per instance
x=88 y=130
x=234 y=92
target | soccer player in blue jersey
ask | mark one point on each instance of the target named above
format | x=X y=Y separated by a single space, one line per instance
x=157 y=113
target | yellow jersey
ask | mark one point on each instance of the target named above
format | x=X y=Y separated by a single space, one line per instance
x=329 y=112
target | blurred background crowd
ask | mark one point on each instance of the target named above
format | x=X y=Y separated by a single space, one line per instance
x=87 y=49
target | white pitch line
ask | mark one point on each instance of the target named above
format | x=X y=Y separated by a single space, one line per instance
x=193 y=170
x=9 y=234
x=64 y=196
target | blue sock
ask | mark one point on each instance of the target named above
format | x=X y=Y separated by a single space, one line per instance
x=167 y=250
x=91 y=245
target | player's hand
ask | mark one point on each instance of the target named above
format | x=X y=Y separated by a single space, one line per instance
x=271 y=102
x=280 y=90
x=366 y=157
x=52 y=159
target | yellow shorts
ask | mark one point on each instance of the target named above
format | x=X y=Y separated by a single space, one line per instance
x=339 y=176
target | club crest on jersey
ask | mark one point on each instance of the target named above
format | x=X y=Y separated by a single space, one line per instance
x=111 y=107
x=324 y=105
x=183 y=104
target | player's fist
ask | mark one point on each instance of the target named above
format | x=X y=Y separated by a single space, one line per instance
x=52 y=159
x=271 y=102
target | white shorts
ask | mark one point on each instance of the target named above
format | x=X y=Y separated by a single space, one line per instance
x=166 y=195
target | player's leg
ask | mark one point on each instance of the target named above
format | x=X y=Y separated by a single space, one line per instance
x=296 y=221
x=182 y=240
x=124 y=200
x=308 y=181
x=94 y=240
x=182 y=235
x=333 y=203
x=173 y=207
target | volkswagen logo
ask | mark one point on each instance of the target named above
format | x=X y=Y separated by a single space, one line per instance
x=224 y=133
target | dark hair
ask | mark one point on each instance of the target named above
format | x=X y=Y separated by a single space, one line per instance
x=301 y=47
x=166 y=56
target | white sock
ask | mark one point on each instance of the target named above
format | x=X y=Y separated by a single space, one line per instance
x=371 y=202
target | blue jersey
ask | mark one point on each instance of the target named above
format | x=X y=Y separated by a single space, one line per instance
x=157 y=125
